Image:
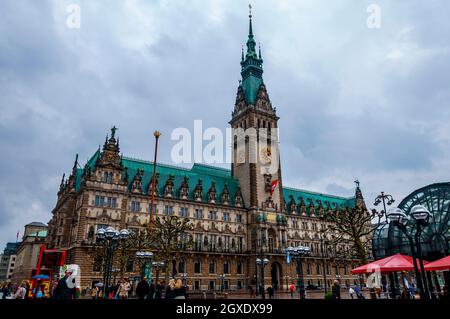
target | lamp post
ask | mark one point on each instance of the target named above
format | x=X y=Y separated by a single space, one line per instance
x=323 y=250
x=146 y=258
x=222 y=278
x=297 y=253
x=158 y=265
x=262 y=264
x=110 y=238
x=383 y=198
x=183 y=278
x=421 y=217
x=156 y=134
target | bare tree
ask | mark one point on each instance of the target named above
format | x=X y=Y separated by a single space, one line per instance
x=353 y=227
x=170 y=238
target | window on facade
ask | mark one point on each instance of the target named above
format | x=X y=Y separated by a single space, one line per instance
x=226 y=267
x=212 y=267
x=184 y=212
x=154 y=208
x=168 y=210
x=135 y=206
x=226 y=285
x=238 y=218
x=226 y=217
x=239 y=284
x=109 y=202
x=308 y=269
x=198 y=213
x=240 y=244
x=212 y=215
x=130 y=265
x=182 y=266
x=97 y=264
x=337 y=270
x=197 y=285
x=346 y=269
x=226 y=243
x=239 y=267
x=91 y=233
x=318 y=269
x=197 y=266
x=198 y=242
x=212 y=285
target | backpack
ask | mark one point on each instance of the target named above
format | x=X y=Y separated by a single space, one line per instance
x=39 y=294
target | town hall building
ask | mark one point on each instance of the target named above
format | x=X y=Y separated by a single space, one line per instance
x=238 y=215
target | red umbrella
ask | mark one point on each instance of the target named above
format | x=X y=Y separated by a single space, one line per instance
x=441 y=264
x=393 y=263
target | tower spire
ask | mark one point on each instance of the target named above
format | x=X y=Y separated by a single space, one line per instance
x=250 y=42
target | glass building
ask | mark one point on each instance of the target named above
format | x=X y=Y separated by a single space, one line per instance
x=435 y=239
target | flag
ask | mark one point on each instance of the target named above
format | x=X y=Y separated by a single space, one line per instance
x=17 y=237
x=273 y=186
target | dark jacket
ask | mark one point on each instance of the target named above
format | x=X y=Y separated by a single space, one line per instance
x=336 y=290
x=62 y=291
x=180 y=292
x=142 y=289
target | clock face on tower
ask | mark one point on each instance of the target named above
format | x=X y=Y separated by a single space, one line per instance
x=265 y=155
x=240 y=157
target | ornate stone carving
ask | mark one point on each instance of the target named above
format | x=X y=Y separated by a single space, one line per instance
x=268 y=183
x=149 y=188
x=198 y=191
x=136 y=185
x=225 y=196
x=168 y=187
x=212 y=193
x=292 y=207
x=184 y=188
x=238 y=201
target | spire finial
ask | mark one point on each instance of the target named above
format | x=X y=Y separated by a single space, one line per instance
x=250 y=9
x=242 y=52
x=259 y=44
x=357 y=183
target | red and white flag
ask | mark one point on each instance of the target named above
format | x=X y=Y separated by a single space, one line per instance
x=273 y=186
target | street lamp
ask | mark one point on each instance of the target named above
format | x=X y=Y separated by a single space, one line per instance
x=262 y=264
x=145 y=257
x=287 y=281
x=383 y=198
x=297 y=253
x=323 y=249
x=158 y=265
x=183 y=278
x=109 y=238
x=222 y=278
x=421 y=217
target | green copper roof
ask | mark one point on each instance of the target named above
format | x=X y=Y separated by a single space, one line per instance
x=251 y=68
x=208 y=174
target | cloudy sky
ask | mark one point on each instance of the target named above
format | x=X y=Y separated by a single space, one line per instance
x=355 y=102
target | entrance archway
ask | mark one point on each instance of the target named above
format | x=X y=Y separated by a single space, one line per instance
x=276 y=276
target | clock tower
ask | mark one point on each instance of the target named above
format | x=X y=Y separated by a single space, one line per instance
x=256 y=159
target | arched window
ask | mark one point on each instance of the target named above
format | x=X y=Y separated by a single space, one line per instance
x=197 y=266
x=91 y=233
x=239 y=267
x=226 y=267
x=182 y=266
x=212 y=266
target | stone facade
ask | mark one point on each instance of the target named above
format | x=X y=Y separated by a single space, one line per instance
x=238 y=214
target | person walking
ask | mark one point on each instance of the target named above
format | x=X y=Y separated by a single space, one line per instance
x=62 y=291
x=270 y=292
x=95 y=292
x=336 y=290
x=292 y=290
x=143 y=289
x=124 y=289
x=21 y=292
x=351 y=292
x=170 y=289
x=179 y=290
x=159 y=288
